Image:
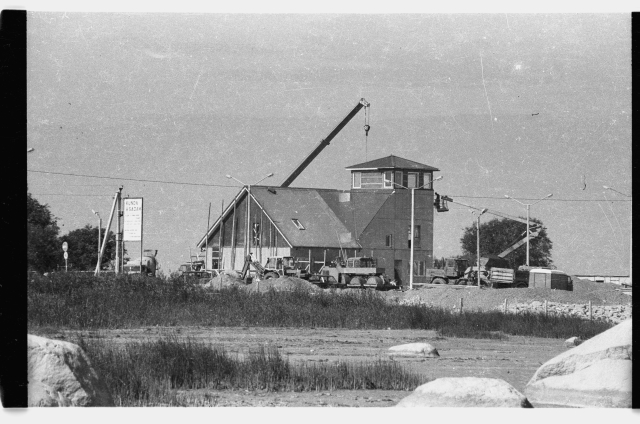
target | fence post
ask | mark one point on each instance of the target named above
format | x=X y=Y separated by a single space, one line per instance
x=546 y=311
x=590 y=314
x=460 y=306
x=504 y=308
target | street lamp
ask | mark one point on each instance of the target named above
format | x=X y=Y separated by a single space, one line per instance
x=247 y=247
x=528 y=205
x=478 y=239
x=99 y=229
x=630 y=230
x=413 y=189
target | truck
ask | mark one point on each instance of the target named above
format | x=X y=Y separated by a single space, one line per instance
x=147 y=265
x=275 y=267
x=355 y=272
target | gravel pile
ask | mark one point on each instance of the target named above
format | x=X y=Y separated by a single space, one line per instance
x=489 y=299
x=614 y=313
x=282 y=284
x=224 y=280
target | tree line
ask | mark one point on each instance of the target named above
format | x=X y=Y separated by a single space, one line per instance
x=44 y=244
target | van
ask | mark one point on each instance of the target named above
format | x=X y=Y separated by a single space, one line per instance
x=550 y=279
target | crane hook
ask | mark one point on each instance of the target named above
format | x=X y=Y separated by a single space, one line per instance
x=366 y=130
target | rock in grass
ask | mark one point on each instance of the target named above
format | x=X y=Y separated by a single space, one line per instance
x=60 y=374
x=414 y=349
x=466 y=392
x=573 y=341
x=595 y=374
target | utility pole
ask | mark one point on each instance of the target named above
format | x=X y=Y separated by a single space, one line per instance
x=118 y=232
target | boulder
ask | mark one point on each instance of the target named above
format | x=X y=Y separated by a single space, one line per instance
x=414 y=349
x=466 y=392
x=595 y=374
x=573 y=341
x=60 y=374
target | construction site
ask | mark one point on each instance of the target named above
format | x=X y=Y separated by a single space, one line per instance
x=378 y=234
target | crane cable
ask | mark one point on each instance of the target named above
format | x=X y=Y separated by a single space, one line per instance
x=366 y=132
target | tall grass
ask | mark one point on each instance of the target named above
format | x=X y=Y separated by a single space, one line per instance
x=150 y=373
x=79 y=301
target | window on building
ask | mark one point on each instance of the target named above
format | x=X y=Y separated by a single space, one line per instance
x=297 y=223
x=256 y=234
x=419 y=268
x=389 y=240
x=388 y=179
x=416 y=232
x=357 y=178
x=412 y=180
x=398 y=178
x=428 y=180
x=371 y=180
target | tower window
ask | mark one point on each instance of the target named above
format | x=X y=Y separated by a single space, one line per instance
x=357 y=179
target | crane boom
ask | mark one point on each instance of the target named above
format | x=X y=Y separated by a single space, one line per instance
x=519 y=243
x=323 y=143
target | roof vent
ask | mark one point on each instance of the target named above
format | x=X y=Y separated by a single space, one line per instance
x=271 y=190
x=344 y=197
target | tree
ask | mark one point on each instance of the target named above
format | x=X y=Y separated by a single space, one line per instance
x=83 y=248
x=43 y=249
x=498 y=234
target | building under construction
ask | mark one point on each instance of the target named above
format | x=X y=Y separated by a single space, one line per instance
x=315 y=226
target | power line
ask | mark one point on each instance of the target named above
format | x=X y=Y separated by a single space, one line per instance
x=546 y=200
x=235 y=186
x=131 y=179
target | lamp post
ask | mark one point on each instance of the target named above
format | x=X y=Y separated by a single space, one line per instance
x=99 y=229
x=528 y=206
x=412 y=236
x=478 y=239
x=630 y=231
x=247 y=247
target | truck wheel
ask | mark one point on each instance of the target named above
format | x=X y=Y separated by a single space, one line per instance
x=357 y=281
x=270 y=275
x=522 y=285
x=461 y=282
x=439 y=280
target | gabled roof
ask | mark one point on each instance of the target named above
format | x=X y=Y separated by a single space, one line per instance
x=331 y=218
x=393 y=162
x=322 y=228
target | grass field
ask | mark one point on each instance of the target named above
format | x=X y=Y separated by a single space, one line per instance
x=82 y=301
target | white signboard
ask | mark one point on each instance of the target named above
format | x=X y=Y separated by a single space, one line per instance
x=132 y=230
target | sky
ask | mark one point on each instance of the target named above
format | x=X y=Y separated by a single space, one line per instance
x=167 y=104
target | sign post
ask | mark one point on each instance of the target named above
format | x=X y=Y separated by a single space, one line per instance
x=132 y=230
x=65 y=247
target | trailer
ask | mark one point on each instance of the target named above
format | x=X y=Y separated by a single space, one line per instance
x=361 y=272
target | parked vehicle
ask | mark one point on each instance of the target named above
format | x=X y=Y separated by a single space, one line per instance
x=355 y=272
x=148 y=264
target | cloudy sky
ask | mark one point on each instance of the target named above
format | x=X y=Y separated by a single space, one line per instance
x=517 y=104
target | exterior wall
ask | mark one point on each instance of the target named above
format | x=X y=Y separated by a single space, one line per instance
x=394 y=218
x=267 y=243
x=318 y=256
x=374 y=179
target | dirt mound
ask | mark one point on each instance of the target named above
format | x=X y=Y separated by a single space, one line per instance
x=224 y=280
x=487 y=299
x=282 y=284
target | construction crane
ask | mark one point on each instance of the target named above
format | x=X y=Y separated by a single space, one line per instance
x=324 y=143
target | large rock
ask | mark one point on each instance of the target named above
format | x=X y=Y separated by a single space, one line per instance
x=414 y=349
x=60 y=374
x=595 y=374
x=466 y=392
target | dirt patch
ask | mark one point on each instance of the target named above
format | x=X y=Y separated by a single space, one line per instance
x=513 y=360
x=485 y=299
x=282 y=284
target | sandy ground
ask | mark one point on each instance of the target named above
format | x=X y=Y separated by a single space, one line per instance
x=514 y=360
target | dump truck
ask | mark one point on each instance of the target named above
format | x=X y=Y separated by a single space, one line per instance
x=355 y=272
x=275 y=267
x=148 y=264
x=453 y=270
